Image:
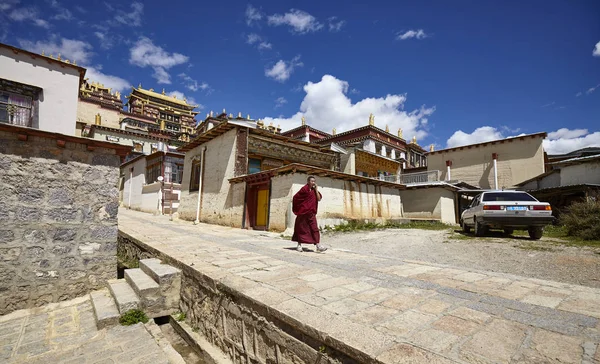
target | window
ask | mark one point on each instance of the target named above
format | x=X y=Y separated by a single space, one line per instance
x=153 y=172
x=253 y=165
x=508 y=196
x=173 y=169
x=16 y=109
x=195 y=178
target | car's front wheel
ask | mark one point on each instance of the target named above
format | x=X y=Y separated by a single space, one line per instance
x=536 y=233
x=480 y=229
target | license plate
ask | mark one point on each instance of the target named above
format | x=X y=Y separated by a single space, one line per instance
x=516 y=208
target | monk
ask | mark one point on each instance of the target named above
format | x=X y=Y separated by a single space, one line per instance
x=305 y=205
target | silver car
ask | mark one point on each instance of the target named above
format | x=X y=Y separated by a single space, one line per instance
x=508 y=211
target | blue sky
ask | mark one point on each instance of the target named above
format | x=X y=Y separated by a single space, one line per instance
x=448 y=72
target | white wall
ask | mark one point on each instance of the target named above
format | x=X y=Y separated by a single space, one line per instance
x=60 y=88
x=134 y=185
x=124 y=139
x=342 y=201
x=222 y=203
x=429 y=203
x=580 y=173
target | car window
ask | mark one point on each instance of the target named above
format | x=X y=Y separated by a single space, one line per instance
x=508 y=196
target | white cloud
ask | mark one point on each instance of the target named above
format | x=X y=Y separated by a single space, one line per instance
x=327 y=106
x=7 y=4
x=24 y=14
x=106 y=41
x=132 y=17
x=181 y=96
x=73 y=50
x=194 y=85
x=565 y=133
x=549 y=104
x=62 y=13
x=300 y=21
x=145 y=53
x=592 y=89
x=596 y=51
x=334 y=25
x=419 y=34
x=260 y=41
x=253 y=15
x=565 y=141
x=280 y=102
x=114 y=82
x=282 y=70
x=479 y=135
x=578 y=94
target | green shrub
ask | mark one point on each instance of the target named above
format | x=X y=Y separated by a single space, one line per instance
x=180 y=316
x=132 y=317
x=582 y=220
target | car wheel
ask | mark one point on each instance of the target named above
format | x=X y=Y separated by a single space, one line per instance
x=465 y=228
x=479 y=228
x=536 y=233
x=509 y=231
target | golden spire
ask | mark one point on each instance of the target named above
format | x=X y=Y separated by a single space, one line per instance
x=140 y=85
x=400 y=133
x=224 y=112
x=163 y=91
x=387 y=129
x=333 y=132
x=248 y=116
x=74 y=63
x=43 y=54
x=240 y=114
x=303 y=121
x=230 y=115
x=371 y=119
x=211 y=113
x=431 y=148
x=58 y=57
x=414 y=140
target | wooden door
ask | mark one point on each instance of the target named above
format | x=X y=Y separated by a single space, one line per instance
x=262 y=207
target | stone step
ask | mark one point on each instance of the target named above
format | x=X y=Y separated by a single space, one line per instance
x=161 y=273
x=105 y=309
x=124 y=295
x=142 y=284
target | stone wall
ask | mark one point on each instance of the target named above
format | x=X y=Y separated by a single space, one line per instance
x=246 y=330
x=429 y=203
x=59 y=217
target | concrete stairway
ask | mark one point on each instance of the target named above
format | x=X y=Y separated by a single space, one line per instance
x=153 y=288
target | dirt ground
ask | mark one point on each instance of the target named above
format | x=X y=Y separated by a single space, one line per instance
x=543 y=259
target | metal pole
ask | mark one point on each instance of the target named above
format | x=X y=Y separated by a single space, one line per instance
x=197 y=221
x=495 y=156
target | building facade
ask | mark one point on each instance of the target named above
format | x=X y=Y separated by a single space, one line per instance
x=496 y=164
x=38 y=91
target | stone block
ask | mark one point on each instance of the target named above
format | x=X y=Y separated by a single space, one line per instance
x=6 y=236
x=103 y=232
x=64 y=234
x=31 y=195
x=36 y=236
x=124 y=296
x=28 y=214
x=498 y=342
x=9 y=254
x=148 y=291
x=105 y=309
x=62 y=215
x=89 y=248
x=61 y=197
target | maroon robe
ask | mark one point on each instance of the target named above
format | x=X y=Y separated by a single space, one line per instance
x=305 y=206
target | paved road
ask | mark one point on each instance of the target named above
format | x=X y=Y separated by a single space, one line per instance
x=459 y=315
x=66 y=333
x=544 y=259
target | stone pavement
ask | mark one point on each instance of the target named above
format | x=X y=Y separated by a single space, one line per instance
x=66 y=333
x=397 y=311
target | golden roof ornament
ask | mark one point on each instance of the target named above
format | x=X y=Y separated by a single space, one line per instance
x=240 y=115
x=58 y=57
x=333 y=132
x=248 y=116
x=152 y=90
x=140 y=85
x=414 y=140
x=43 y=54
x=400 y=133
x=211 y=113
x=224 y=112
x=303 y=121
x=371 y=119
x=387 y=129
x=163 y=92
x=230 y=115
x=431 y=149
x=260 y=123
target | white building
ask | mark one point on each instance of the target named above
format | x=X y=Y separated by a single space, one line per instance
x=38 y=91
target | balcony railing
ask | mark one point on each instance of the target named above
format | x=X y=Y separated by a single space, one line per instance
x=15 y=114
x=420 y=177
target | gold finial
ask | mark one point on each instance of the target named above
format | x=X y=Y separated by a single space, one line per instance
x=240 y=115
x=248 y=116
x=140 y=85
x=51 y=56
x=230 y=115
x=43 y=54
x=152 y=90
x=387 y=129
x=224 y=112
x=303 y=121
x=185 y=99
x=67 y=61
x=400 y=133
x=163 y=91
x=371 y=119
x=118 y=94
x=431 y=148
x=211 y=113
x=98 y=119
x=58 y=57
x=74 y=63
x=333 y=132
x=414 y=140
x=207 y=115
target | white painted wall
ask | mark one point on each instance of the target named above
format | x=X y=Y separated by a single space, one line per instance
x=134 y=185
x=429 y=203
x=580 y=173
x=125 y=139
x=60 y=88
x=222 y=203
